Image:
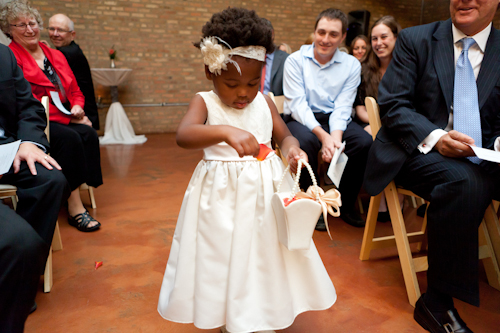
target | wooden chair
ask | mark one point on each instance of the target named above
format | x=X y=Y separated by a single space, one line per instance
x=488 y=231
x=278 y=101
x=56 y=240
x=9 y=191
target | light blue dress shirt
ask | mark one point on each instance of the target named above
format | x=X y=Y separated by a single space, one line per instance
x=269 y=67
x=310 y=87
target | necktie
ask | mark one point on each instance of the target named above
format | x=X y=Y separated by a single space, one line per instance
x=466 y=118
x=263 y=76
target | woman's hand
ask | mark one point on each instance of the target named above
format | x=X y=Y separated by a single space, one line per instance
x=294 y=155
x=242 y=141
x=84 y=121
x=77 y=112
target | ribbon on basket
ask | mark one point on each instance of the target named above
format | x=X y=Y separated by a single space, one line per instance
x=330 y=201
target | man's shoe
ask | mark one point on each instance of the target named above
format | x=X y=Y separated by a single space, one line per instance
x=321 y=226
x=421 y=210
x=33 y=307
x=353 y=219
x=383 y=216
x=439 y=322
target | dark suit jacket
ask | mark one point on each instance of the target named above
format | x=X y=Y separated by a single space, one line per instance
x=416 y=96
x=277 y=72
x=22 y=117
x=80 y=67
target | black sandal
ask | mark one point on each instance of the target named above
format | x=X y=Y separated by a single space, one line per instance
x=81 y=221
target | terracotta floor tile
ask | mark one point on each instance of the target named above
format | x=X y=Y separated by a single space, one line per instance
x=138 y=206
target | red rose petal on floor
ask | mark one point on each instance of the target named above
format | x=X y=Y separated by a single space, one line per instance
x=98 y=264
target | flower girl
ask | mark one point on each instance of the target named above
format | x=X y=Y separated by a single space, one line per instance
x=226 y=265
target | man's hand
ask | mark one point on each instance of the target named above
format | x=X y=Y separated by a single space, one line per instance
x=77 y=112
x=30 y=153
x=329 y=143
x=452 y=145
x=85 y=121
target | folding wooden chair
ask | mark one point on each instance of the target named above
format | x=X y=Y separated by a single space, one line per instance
x=56 y=240
x=410 y=266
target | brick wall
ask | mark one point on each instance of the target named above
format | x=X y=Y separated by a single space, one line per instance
x=153 y=37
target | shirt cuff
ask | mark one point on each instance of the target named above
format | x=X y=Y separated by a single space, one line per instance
x=37 y=144
x=430 y=141
x=496 y=146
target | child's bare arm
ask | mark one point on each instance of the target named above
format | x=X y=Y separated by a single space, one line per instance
x=193 y=134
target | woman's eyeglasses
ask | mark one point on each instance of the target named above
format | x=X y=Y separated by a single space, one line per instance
x=24 y=26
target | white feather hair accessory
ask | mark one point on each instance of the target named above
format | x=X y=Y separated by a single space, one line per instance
x=216 y=56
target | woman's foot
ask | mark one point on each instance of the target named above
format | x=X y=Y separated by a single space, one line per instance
x=79 y=217
x=84 y=222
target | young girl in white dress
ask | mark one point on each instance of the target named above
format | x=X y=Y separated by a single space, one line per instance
x=226 y=265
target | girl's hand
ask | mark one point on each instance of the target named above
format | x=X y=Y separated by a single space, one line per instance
x=242 y=141
x=293 y=157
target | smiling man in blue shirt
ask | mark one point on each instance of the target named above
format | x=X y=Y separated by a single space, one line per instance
x=320 y=85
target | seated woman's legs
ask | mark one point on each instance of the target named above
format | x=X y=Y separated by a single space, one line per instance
x=70 y=147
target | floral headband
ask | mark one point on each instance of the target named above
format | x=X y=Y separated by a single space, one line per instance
x=216 y=57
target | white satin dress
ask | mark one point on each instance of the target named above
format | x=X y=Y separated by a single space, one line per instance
x=226 y=265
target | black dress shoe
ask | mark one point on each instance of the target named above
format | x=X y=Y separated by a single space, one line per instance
x=33 y=307
x=383 y=217
x=439 y=322
x=321 y=226
x=352 y=218
x=421 y=210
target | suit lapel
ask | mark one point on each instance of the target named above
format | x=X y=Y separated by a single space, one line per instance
x=444 y=60
x=490 y=67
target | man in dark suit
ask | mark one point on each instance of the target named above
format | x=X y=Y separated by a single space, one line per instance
x=62 y=34
x=422 y=147
x=26 y=234
x=272 y=81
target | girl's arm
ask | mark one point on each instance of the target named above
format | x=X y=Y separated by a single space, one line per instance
x=192 y=132
x=288 y=144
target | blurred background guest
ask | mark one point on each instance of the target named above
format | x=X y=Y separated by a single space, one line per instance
x=359 y=47
x=74 y=143
x=285 y=48
x=383 y=38
x=62 y=34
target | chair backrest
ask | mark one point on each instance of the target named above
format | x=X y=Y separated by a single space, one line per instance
x=278 y=101
x=45 y=103
x=373 y=115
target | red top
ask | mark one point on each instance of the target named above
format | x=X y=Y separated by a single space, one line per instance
x=40 y=84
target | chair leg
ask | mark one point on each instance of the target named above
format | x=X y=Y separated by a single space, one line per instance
x=360 y=205
x=414 y=202
x=493 y=228
x=14 y=201
x=92 y=198
x=56 y=240
x=404 y=251
x=371 y=223
x=487 y=254
x=47 y=275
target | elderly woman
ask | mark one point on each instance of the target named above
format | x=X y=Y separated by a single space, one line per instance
x=74 y=143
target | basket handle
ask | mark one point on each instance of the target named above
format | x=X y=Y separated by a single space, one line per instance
x=295 y=188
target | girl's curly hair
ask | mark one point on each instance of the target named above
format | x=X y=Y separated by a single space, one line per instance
x=239 y=27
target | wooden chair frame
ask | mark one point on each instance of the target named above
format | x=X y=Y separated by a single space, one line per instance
x=489 y=230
